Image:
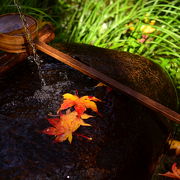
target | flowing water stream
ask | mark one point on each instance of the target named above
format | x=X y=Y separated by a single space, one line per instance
x=34 y=57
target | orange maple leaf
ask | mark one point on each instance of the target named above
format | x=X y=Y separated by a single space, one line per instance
x=80 y=103
x=66 y=125
x=174 y=174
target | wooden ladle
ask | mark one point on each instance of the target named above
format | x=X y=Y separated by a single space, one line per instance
x=14 y=40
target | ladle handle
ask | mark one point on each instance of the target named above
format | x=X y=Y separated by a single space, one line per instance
x=170 y=114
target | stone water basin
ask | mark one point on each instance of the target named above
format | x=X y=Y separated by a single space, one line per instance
x=127 y=140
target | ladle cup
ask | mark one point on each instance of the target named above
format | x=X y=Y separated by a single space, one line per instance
x=13 y=39
x=12 y=32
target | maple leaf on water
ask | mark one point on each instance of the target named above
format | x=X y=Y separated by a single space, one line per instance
x=64 y=126
x=80 y=103
x=174 y=174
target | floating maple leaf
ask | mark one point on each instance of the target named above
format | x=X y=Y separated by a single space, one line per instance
x=80 y=103
x=66 y=125
x=174 y=174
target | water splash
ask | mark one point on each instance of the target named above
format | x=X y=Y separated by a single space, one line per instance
x=27 y=32
x=38 y=62
x=34 y=57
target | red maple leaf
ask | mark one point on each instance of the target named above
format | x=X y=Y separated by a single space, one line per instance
x=80 y=103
